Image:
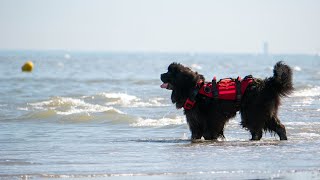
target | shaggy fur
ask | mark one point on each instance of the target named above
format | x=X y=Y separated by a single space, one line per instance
x=258 y=107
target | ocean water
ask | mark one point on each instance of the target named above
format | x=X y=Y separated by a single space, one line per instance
x=96 y=115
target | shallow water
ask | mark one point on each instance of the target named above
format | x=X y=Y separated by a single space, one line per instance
x=97 y=115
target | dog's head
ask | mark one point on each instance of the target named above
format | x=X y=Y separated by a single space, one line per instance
x=181 y=80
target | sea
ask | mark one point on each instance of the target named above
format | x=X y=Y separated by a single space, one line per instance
x=103 y=115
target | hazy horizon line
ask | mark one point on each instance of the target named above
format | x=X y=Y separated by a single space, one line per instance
x=151 y=52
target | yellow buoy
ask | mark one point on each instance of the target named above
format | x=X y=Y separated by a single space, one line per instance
x=27 y=67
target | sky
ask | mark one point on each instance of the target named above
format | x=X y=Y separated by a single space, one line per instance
x=225 y=26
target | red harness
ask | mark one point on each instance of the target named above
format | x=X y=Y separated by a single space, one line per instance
x=225 y=89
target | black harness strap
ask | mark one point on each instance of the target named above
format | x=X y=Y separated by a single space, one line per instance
x=214 y=88
x=238 y=90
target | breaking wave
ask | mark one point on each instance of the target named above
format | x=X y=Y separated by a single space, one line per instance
x=126 y=100
x=141 y=122
x=102 y=102
x=70 y=109
x=307 y=92
x=68 y=106
x=105 y=107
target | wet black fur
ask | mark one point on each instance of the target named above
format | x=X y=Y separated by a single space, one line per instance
x=258 y=107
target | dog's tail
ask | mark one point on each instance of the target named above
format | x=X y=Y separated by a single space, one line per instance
x=281 y=82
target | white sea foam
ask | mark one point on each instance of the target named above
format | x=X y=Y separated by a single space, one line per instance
x=67 y=56
x=23 y=108
x=303 y=123
x=118 y=98
x=158 y=102
x=196 y=67
x=141 y=122
x=127 y=100
x=309 y=92
x=68 y=106
x=103 y=102
x=307 y=101
x=297 y=68
x=309 y=134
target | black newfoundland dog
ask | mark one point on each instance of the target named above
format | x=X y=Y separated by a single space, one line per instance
x=207 y=114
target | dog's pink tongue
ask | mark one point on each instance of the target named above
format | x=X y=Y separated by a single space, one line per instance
x=164 y=85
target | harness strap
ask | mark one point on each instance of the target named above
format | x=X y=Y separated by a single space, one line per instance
x=238 y=90
x=215 y=93
x=190 y=102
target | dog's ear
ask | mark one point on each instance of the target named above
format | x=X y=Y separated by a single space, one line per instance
x=178 y=98
x=186 y=79
x=201 y=77
x=173 y=97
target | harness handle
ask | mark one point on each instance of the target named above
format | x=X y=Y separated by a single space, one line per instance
x=226 y=78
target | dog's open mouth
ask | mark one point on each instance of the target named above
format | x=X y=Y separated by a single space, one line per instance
x=166 y=86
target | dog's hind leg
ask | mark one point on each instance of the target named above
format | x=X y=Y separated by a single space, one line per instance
x=275 y=125
x=256 y=135
x=249 y=122
x=281 y=131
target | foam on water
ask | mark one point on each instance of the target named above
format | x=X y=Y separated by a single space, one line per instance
x=68 y=106
x=307 y=101
x=118 y=98
x=309 y=134
x=303 y=123
x=111 y=116
x=308 y=92
x=126 y=100
x=141 y=122
x=297 y=68
x=196 y=67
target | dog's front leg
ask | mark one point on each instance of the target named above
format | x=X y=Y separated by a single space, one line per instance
x=195 y=125
x=195 y=135
x=196 y=129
